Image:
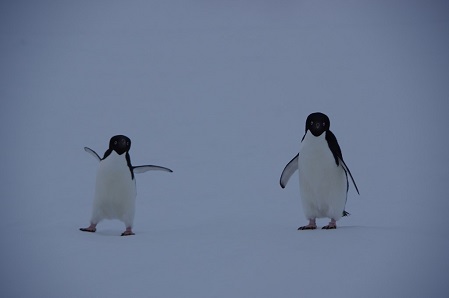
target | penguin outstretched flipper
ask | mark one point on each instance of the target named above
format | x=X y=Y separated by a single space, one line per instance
x=288 y=171
x=94 y=154
x=146 y=168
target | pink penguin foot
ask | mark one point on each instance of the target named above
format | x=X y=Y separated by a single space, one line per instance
x=331 y=226
x=128 y=232
x=310 y=226
x=307 y=227
x=91 y=229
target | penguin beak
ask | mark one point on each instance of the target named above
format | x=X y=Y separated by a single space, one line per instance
x=317 y=125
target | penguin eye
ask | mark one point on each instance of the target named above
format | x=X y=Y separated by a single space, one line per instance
x=115 y=142
x=127 y=143
x=311 y=122
x=324 y=123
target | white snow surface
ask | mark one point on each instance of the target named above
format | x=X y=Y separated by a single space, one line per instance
x=218 y=91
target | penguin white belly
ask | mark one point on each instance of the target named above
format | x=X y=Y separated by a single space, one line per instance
x=115 y=192
x=323 y=184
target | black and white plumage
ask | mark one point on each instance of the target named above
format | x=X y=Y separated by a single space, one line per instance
x=323 y=174
x=115 y=189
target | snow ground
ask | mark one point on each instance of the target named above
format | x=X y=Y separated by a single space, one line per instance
x=219 y=92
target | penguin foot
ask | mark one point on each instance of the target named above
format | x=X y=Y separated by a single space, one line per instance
x=128 y=232
x=308 y=227
x=88 y=229
x=331 y=226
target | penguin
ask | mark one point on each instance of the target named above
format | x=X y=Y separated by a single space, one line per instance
x=115 y=189
x=323 y=174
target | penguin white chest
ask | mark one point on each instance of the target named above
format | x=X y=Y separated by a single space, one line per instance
x=322 y=183
x=115 y=191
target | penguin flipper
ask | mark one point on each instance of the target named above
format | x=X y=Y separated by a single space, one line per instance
x=288 y=171
x=94 y=154
x=345 y=167
x=145 y=168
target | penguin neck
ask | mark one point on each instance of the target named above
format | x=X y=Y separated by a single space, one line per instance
x=116 y=162
x=315 y=154
x=314 y=147
x=310 y=140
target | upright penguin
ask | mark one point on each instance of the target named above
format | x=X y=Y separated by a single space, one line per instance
x=115 y=190
x=323 y=175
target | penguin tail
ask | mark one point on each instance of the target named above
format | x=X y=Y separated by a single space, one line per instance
x=346 y=213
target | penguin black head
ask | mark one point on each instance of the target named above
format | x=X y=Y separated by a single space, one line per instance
x=317 y=123
x=120 y=144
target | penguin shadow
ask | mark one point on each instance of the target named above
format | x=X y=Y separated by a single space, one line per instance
x=358 y=227
x=347 y=228
x=108 y=233
x=350 y=227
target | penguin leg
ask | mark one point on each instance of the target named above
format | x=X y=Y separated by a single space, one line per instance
x=92 y=228
x=310 y=226
x=332 y=225
x=128 y=232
